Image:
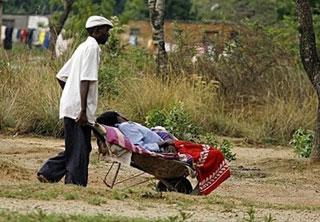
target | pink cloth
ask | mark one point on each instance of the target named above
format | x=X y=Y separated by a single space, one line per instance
x=115 y=136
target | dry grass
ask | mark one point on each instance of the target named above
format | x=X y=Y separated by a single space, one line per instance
x=140 y=95
x=29 y=94
x=224 y=96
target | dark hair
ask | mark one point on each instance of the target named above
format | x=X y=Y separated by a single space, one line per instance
x=109 y=118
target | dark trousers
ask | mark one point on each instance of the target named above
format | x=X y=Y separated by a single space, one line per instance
x=74 y=160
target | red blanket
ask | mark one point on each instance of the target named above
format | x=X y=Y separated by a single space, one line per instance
x=211 y=167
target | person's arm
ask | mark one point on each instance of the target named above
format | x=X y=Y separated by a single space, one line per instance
x=61 y=83
x=165 y=143
x=63 y=74
x=84 y=88
x=89 y=73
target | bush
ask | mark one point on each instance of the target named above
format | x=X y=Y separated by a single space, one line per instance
x=302 y=141
x=225 y=145
x=226 y=148
x=177 y=121
x=155 y=118
x=117 y=67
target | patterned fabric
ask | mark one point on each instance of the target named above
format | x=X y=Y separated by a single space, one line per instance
x=211 y=167
x=114 y=136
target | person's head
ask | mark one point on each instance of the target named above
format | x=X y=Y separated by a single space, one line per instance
x=111 y=118
x=98 y=27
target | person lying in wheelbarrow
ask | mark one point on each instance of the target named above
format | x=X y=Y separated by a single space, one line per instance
x=136 y=133
x=211 y=167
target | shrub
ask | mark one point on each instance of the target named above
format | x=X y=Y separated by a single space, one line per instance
x=155 y=118
x=302 y=142
x=177 y=121
x=117 y=67
x=225 y=145
x=226 y=148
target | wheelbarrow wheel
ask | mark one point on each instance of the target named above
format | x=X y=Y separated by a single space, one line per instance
x=161 y=187
x=180 y=185
x=183 y=186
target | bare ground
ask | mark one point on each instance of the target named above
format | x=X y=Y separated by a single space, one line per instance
x=270 y=180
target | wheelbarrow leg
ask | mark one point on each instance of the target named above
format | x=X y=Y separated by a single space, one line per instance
x=114 y=177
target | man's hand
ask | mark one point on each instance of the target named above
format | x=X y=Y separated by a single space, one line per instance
x=82 y=119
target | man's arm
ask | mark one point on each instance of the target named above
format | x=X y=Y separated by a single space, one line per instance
x=84 y=88
x=61 y=83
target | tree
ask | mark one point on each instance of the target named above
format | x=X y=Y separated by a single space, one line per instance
x=174 y=9
x=178 y=9
x=135 y=9
x=310 y=61
x=79 y=11
x=1 y=8
x=82 y=9
x=27 y=7
x=56 y=27
x=119 y=7
x=156 y=9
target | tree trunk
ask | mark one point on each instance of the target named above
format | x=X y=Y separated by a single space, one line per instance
x=1 y=11
x=156 y=10
x=315 y=154
x=310 y=61
x=56 y=28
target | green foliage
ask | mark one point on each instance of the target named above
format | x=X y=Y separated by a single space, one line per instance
x=39 y=215
x=235 y=10
x=178 y=9
x=26 y=7
x=135 y=9
x=176 y=120
x=118 y=195
x=302 y=141
x=251 y=215
x=119 y=65
x=155 y=118
x=179 y=122
x=82 y=9
x=174 y=10
x=71 y=196
x=225 y=145
x=226 y=148
x=209 y=138
x=269 y=218
x=114 y=46
x=183 y=216
x=97 y=201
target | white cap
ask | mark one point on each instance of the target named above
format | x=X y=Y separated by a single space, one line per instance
x=96 y=20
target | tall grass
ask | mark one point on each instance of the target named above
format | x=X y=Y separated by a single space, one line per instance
x=139 y=95
x=29 y=94
x=259 y=91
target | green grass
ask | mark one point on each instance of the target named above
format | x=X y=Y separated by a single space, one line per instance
x=146 y=197
x=8 y=216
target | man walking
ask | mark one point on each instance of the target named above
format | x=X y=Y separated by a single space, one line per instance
x=79 y=80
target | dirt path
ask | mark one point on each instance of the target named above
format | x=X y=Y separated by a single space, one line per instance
x=271 y=180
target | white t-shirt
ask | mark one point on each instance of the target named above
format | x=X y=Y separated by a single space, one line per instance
x=83 y=65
